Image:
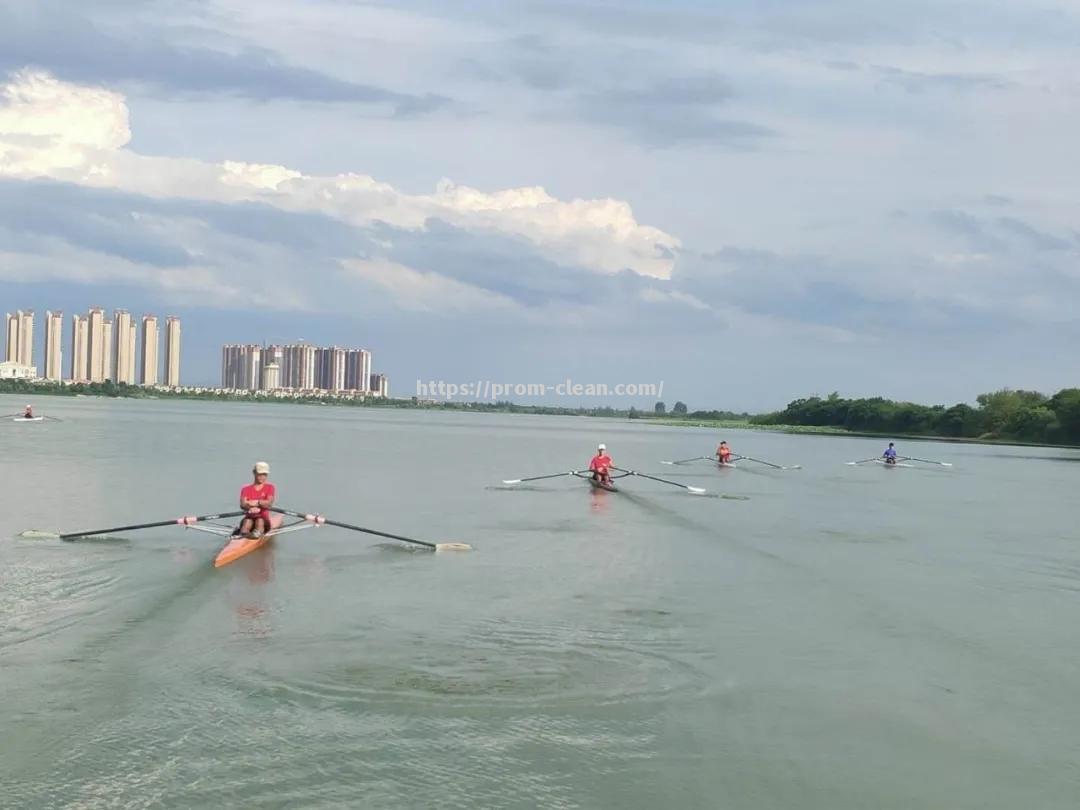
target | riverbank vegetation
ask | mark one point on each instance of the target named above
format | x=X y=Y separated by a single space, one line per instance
x=1006 y=415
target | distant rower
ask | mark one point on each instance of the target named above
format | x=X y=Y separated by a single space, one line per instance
x=256 y=500
x=890 y=454
x=28 y=413
x=601 y=465
x=723 y=453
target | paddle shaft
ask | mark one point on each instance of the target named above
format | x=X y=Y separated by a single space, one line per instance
x=353 y=528
x=154 y=525
x=654 y=478
x=927 y=461
x=553 y=475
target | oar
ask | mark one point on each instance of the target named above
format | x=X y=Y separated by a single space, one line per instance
x=322 y=520
x=54 y=419
x=770 y=464
x=927 y=461
x=688 y=488
x=542 y=477
x=688 y=460
x=863 y=461
x=183 y=521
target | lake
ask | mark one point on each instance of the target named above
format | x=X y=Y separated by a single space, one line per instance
x=832 y=637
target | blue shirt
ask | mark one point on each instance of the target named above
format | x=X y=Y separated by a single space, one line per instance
x=890 y=453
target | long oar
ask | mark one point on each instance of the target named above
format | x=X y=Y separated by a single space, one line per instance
x=863 y=461
x=687 y=487
x=688 y=460
x=542 y=477
x=183 y=521
x=53 y=419
x=927 y=461
x=770 y=464
x=319 y=519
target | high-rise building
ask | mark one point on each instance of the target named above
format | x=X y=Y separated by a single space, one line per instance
x=271 y=377
x=20 y=338
x=380 y=385
x=330 y=369
x=97 y=346
x=26 y=338
x=244 y=366
x=11 y=328
x=148 y=364
x=123 y=351
x=172 y=352
x=298 y=367
x=357 y=370
x=107 y=367
x=54 y=334
x=273 y=357
x=80 y=348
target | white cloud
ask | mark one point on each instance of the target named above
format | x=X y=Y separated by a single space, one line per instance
x=73 y=133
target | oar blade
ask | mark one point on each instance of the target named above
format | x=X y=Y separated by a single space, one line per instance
x=38 y=534
x=512 y=481
x=452 y=547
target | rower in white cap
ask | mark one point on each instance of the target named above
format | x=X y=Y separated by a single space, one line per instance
x=601 y=465
x=256 y=500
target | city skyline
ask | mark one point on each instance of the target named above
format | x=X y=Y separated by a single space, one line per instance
x=299 y=367
x=101 y=348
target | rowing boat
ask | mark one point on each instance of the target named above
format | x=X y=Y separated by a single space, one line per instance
x=28 y=419
x=884 y=463
x=602 y=485
x=731 y=464
x=238 y=546
x=242 y=545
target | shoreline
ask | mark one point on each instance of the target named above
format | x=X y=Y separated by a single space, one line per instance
x=389 y=403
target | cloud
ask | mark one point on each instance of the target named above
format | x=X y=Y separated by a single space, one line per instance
x=54 y=37
x=77 y=134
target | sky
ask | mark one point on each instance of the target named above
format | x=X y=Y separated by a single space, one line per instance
x=748 y=202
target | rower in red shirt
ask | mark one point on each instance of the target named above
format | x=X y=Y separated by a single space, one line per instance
x=256 y=500
x=601 y=465
x=723 y=453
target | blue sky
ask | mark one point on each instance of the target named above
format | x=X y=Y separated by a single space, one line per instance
x=751 y=203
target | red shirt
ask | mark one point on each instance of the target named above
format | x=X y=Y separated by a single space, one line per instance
x=255 y=493
x=600 y=463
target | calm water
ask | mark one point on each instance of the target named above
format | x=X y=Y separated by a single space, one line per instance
x=841 y=637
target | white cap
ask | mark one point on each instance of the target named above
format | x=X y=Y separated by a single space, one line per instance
x=602 y=447
x=261 y=467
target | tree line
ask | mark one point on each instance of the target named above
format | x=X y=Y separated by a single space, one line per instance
x=1026 y=416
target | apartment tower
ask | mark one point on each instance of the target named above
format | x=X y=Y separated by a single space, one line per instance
x=148 y=365
x=172 y=352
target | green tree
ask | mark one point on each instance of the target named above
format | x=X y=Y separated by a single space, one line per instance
x=634 y=413
x=1066 y=406
x=660 y=409
x=680 y=407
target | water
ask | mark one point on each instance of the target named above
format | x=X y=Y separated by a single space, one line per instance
x=846 y=637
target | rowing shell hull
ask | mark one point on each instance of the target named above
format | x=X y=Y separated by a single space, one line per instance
x=238 y=547
x=601 y=485
x=31 y=419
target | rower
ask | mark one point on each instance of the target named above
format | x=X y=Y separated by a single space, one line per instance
x=723 y=453
x=256 y=500
x=601 y=465
x=890 y=454
x=28 y=413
